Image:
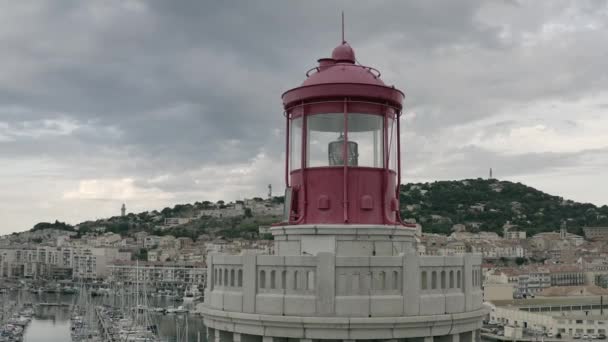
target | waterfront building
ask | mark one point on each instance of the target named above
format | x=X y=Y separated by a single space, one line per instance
x=158 y=274
x=48 y=262
x=345 y=267
x=568 y=316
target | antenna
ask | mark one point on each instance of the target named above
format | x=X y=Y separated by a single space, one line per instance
x=343 y=41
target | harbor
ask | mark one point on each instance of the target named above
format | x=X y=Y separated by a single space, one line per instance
x=80 y=317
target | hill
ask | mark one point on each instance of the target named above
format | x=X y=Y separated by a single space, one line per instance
x=488 y=204
x=244 y=225
x=477 y=204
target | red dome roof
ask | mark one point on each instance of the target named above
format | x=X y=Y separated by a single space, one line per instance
x=341 y=68
x=343 y=53
x=340 y=76
x=344 y=73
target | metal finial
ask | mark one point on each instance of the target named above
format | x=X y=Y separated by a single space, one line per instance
x=343 y=41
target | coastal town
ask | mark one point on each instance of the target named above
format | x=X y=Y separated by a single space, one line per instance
x=329 y=171
x=516 y=268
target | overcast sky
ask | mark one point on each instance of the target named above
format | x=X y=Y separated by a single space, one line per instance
x=154 y=103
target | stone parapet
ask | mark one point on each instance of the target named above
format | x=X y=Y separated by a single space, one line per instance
x=343 y=328
x=343 y=239
x=337 y=286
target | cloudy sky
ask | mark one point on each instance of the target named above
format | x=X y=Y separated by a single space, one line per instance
x=155 y=103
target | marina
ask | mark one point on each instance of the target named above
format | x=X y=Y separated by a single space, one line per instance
x=56 y=317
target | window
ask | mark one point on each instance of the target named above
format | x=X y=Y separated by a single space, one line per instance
x=396 y=280
x=273 y=283
x=284 y=279
x=216 y=278
x=220 y=271
x=458 y=284
x=310 y=280
x=474 y=277
x=295 y=144
x=296 y=280
x=392 y=143
x=366 y=131
x=240 y=276
x=262 y=279
x=355 y=283
x=382 y=280
x=423 y=280
x=434 y=280
x=342 y=284
x=231 y=277
x=323 y=130
x=443 y=279
x=225 y=277
x=451 y=279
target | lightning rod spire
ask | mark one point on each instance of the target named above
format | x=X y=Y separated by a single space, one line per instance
x=343 y=41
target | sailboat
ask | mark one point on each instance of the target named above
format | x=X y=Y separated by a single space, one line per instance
x=132 y=321
x=83 y=321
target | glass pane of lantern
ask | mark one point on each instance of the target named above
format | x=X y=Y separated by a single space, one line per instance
x=392 y=143
x=295 y=151
x=325 y=130
x=366 y=131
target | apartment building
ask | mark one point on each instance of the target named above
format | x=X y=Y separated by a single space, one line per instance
x=46 y=262
x=158 y=274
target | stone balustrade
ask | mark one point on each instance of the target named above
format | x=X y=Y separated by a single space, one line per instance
x=329 y=285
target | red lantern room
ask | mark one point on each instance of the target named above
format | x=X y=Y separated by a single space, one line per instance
x=343 y=155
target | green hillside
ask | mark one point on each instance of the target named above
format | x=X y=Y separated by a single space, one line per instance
x=479 y=204
x=488 y=204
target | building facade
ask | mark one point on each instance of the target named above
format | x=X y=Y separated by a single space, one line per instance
x=567 y=319
x=49 y=262
x=596 y=233
x=160 y=275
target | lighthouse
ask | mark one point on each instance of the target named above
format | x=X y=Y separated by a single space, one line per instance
x=343 y=155
x=345 y=267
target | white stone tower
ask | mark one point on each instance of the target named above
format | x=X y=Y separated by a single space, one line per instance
x=563 y=231
x=123 y=210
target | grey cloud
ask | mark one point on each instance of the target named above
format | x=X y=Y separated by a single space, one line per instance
x=169 y=88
